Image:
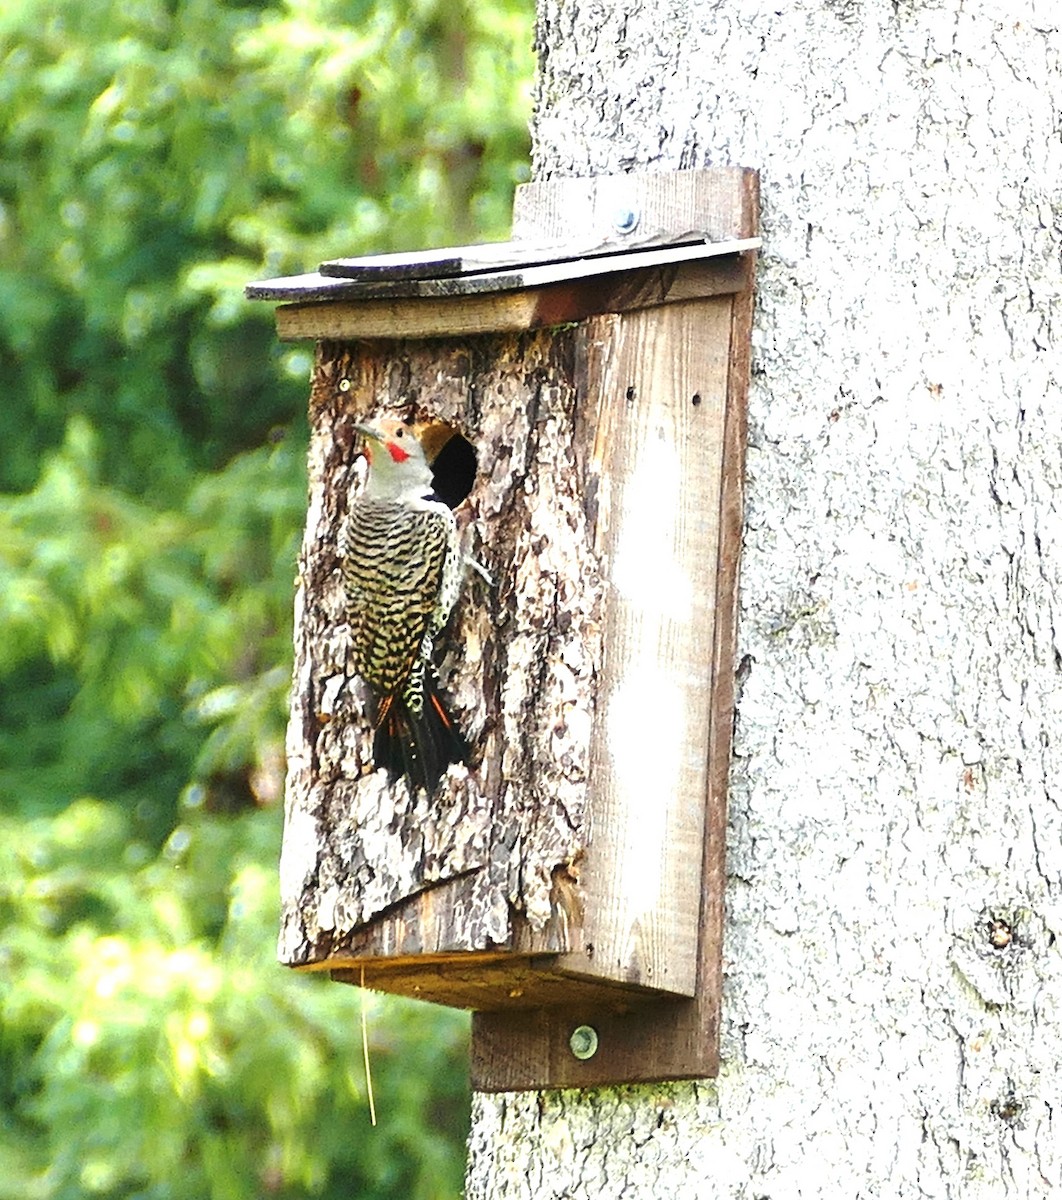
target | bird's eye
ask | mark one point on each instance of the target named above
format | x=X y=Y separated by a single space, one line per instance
x=400 y=433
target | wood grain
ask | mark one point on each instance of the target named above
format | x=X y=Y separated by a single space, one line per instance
x=499 y=982
x=327 y=315
x=718 y=201
x=656 y=381
x=659 y=1038
x=514 y=311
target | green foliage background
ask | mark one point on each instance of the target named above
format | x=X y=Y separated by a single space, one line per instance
x=155 y=155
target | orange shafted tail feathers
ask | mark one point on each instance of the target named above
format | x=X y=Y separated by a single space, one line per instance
x=420 y=745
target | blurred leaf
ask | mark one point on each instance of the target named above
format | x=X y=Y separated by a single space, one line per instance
x=156 y=155
x=151 y=1043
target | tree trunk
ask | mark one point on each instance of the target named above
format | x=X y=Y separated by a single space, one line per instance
x=891 y=1007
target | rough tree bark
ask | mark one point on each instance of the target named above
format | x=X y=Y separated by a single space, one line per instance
x=891 y=1021
x=356 y=849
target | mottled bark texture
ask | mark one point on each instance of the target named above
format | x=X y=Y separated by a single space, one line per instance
x=522 y=654
x=891 y=1012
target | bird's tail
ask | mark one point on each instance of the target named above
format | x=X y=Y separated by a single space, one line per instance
x=418 y=740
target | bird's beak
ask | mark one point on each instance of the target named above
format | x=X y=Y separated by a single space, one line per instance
x=369 y=432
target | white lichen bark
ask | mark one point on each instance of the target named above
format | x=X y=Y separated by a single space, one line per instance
x=892 y=1016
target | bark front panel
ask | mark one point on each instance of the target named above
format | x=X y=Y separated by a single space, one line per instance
x=521 y=658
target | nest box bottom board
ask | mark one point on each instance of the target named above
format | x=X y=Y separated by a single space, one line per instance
x=489 y=982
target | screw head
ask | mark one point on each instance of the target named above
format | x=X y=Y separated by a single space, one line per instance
x=625 y=218
x=583 y=1042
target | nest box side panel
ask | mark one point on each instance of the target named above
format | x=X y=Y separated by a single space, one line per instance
x=368 y=870
x=656 y=385
x=668 y=391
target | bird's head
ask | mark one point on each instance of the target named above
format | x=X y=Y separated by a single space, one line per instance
x=396 y=456
x=389 y=439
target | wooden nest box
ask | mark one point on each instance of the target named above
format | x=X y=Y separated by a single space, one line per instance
x=587 y=385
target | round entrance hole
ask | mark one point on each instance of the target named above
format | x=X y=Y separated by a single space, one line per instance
x=453 y=462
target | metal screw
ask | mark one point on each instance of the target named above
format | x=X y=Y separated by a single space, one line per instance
x=625 y=219
x=583 y=1042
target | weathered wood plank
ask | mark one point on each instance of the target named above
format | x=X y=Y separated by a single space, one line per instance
x=716 y=200
x=342 y=320
x=489 y=982
x=660 y=1039
x=656 y=381
x=318 y=286
x=706 y=1014
x=537 y=308
x=448 y=262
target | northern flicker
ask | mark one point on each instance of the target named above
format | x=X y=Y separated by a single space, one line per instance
x=402 y=568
